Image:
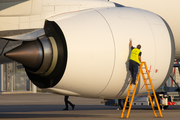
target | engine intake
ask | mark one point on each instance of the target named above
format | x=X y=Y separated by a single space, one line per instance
x=44 y=59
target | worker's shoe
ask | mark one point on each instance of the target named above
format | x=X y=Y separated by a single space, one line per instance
x=73 y=107
x=134 y=83
x=65 y=109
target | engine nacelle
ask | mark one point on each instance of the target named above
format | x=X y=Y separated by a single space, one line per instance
x=91 y=51
x=98 y=50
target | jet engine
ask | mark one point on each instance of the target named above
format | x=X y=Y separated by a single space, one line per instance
x=85 y=53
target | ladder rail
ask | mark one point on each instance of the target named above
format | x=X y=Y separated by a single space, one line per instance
x=132 y=98
x=147 y=89
x=157 y=103
x=124 y=107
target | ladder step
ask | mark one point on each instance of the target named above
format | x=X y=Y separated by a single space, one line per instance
x=144 y=73
x=150 y=90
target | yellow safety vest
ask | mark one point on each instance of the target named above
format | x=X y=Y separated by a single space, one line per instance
x=135 y=55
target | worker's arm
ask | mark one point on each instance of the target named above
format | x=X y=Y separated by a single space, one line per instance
x=140 y=58
x=130 y=43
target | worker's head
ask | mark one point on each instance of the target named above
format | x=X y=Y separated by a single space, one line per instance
x=139 y=46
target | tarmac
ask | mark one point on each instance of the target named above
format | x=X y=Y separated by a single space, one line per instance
x=47 y=106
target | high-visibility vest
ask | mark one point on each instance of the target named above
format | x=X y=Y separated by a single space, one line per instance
x=135 y=55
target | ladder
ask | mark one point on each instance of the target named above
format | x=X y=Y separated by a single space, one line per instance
x=145 y=82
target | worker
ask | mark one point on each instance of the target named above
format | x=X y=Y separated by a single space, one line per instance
x=135 y=60
x=68 y=102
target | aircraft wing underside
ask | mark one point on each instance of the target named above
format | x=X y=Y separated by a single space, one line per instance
x=24 y=34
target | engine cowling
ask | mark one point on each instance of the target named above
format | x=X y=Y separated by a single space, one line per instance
x=90 y=51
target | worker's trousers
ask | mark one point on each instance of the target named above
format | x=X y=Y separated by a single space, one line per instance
x=67 y=101
x=133 y=67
